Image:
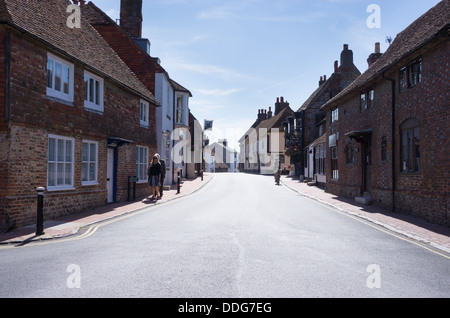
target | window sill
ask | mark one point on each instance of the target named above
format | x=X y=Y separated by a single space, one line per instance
x=66 y=102
x=86 y=184
x=54 y=189
x=92 y=109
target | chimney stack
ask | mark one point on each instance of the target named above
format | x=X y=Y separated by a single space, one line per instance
x=374 y=56
x=269 y=114
x=321 y=81
x=131 y=17
x=346 y=58
x=280 y=105
x=81 y=2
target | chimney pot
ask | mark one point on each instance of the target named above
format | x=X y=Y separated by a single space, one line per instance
x=336 y=66
x=377 y=48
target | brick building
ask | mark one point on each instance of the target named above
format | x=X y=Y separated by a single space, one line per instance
x=73 y=117
x=388 y=131
x=126 y=39
x=305 y=129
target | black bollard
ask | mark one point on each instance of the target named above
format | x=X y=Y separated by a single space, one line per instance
x=40 y=211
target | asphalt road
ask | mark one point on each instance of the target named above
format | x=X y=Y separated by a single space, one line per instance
x=240 y=236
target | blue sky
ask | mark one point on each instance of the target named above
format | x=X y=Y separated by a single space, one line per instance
x=238 y=56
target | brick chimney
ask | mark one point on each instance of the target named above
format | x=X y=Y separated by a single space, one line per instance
x=269 y=113
x=347 y=58
x=131 y=17
x=280 y=105
x=374 y=56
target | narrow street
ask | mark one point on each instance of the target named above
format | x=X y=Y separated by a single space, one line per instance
x=240 y=236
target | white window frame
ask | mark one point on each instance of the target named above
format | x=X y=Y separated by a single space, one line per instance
x=335 y=115
x=179 y=109
x=89 y=162
x=52 y=91
x=64 y=162
x=141 y=164
x=144 y=109
x=99 y=107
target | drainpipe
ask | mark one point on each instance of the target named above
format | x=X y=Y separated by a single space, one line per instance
x=393 y=138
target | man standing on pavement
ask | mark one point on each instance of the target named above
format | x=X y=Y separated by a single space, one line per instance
x=163 y=175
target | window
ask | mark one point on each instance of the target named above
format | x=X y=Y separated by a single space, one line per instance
x=144 y=110
x=93 y=92
x=59 y=78
x=363 y=101
x=89 y=163
x=411 y=75
x=370 y=98
x=60 y=163
x=335 y=115
x=410 y=146
x=334 y=163
x=320 y=158
x=367 y=99
x=179 y=114
x=141 y=163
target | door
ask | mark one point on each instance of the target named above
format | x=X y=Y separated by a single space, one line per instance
x=367 y=164
x=110 y=174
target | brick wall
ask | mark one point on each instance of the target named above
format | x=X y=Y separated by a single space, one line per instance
x=423 y=194
x=24 y=145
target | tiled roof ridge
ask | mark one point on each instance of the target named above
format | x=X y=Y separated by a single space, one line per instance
x=103 y=19
x=417 y=34
x=46 y=21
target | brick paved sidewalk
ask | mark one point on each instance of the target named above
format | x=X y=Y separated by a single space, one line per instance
x=437 y=236
x=70 y=225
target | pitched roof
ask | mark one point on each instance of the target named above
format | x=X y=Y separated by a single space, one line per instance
x=276 y=121
x=180 y=88
x=46 y=21
x=315 y=94
x=425 y=29
x=96 y=16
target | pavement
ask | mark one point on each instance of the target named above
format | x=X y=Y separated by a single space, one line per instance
x=72 y=224
x=407 y=226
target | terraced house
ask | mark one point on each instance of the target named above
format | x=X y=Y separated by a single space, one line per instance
x=73 y=117
x=126 y=40
x=388 y=131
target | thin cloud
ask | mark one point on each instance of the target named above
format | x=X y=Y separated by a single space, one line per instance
x=218 y=92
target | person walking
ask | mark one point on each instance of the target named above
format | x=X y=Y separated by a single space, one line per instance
x=154 y=177
x=163 y=176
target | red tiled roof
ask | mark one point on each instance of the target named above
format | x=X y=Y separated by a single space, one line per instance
x=96 y=16
x=46 y=21
x=419 y=33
